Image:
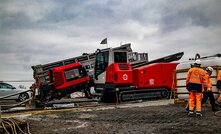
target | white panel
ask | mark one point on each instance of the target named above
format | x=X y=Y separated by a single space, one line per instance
x=181 y=82
x=182 y=90
x=181 y=75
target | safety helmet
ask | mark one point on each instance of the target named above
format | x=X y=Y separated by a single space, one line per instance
x=198 y=62
x=209 y=69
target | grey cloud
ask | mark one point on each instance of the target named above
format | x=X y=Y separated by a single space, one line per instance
x=178 y=14
x=38 y=32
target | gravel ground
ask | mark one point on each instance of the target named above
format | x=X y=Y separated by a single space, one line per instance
x=144 y=118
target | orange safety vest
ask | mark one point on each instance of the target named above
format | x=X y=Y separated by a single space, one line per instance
x=208 y=81
x=195 y=75
x=219 y=75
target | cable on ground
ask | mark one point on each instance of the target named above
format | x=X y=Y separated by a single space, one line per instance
x=13 y=126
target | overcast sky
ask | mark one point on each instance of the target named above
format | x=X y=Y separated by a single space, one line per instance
x=38 y=31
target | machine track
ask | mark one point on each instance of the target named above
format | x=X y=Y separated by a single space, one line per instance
x=143 y=94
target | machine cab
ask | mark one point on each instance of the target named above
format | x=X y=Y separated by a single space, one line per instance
x=111 y=67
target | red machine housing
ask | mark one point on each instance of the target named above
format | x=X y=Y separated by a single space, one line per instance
x=60 y=79
x=154 y=75
x=119 y=73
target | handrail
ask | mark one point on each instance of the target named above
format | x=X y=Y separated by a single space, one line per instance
x=3 y=97
x=5 y=107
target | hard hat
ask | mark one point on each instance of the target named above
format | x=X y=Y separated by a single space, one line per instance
x=209 y=69
x=197 y=62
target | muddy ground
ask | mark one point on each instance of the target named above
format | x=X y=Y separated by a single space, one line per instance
x=164 y=119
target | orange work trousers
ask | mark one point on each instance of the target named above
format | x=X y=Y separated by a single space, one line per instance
x=195 y=98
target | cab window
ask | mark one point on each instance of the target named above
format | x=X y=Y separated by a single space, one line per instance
x=101 y=62
x=120 y=57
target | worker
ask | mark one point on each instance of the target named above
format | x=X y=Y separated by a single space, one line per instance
x=208 y=89
x=218 y=85
x=194 y=82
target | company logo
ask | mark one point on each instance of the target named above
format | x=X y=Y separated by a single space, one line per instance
x=151 y=81
x=196 y=72
x=125 y=77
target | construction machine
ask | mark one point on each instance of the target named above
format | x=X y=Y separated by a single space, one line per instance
x=58 y=79
x=115 y=79
x=62 y=81
x=114 y=73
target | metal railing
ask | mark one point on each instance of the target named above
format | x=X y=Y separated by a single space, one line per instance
x=4 y=107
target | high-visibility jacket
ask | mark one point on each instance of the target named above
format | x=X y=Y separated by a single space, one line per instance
x=208 y=82
x=218 y=84
x=219 y=75
x=195 y=75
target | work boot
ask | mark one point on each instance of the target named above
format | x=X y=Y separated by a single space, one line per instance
x=191 y=113
x=198 y=113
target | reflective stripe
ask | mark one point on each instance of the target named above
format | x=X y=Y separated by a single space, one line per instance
x=207 y=82
x=195 y=82
x=202 y=72
x=194 y=77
